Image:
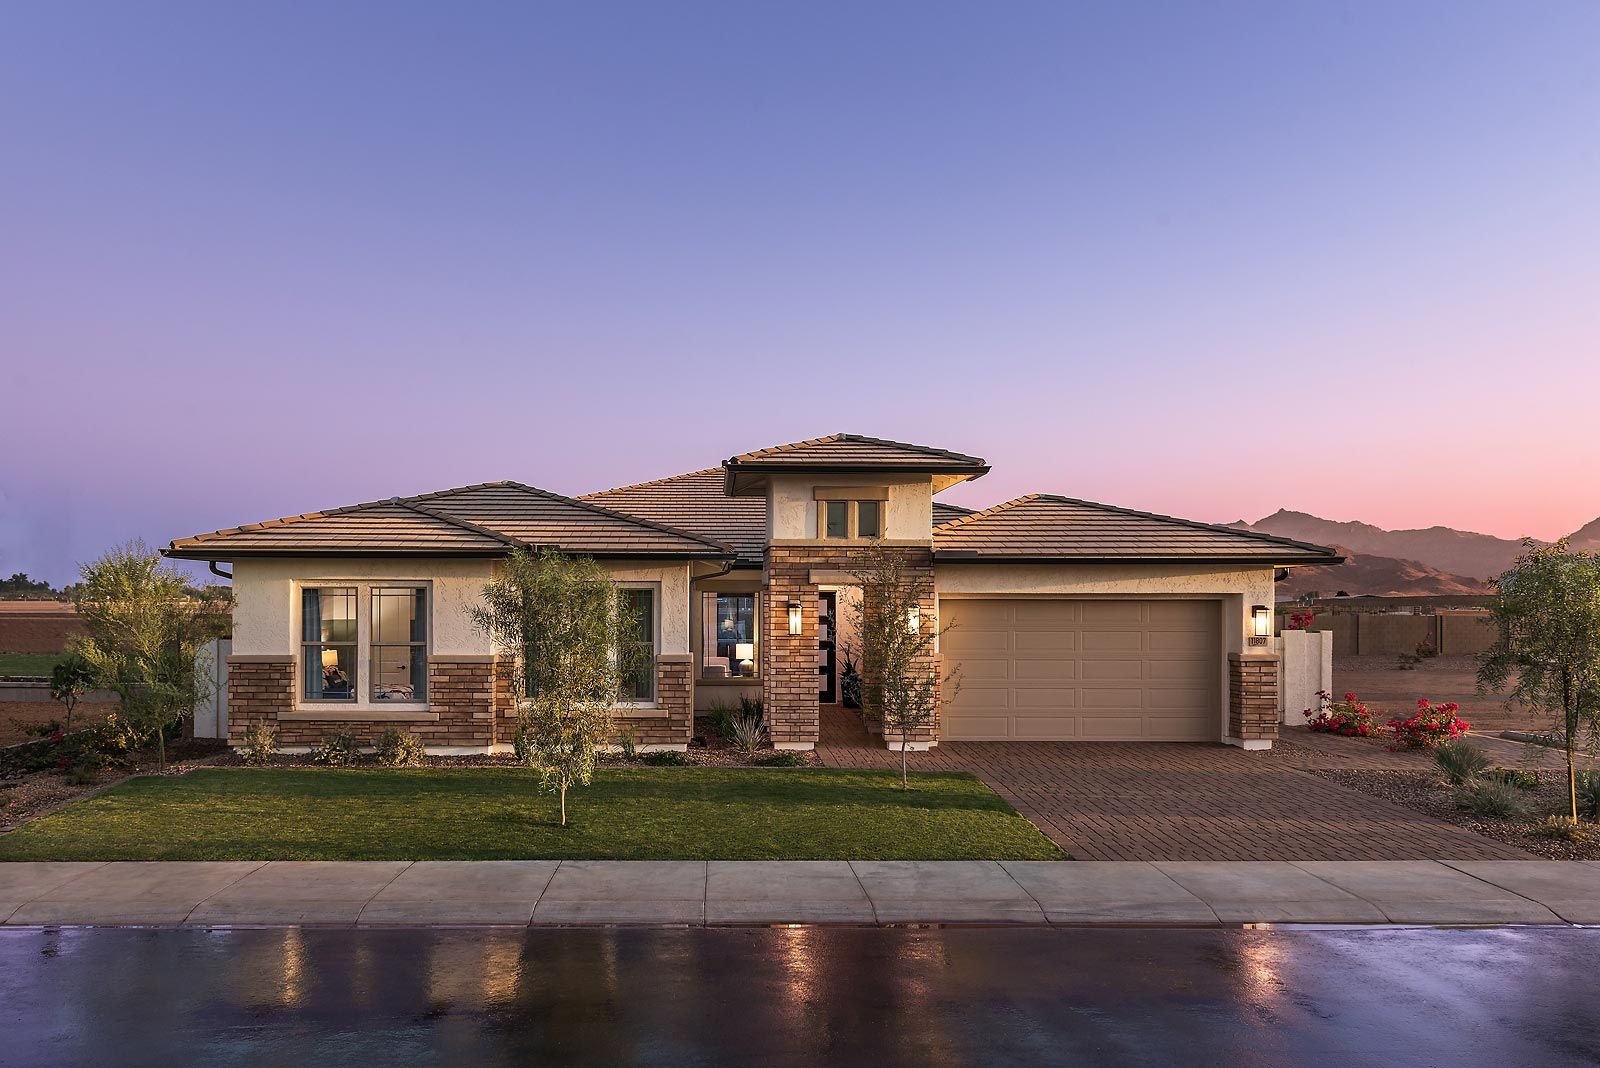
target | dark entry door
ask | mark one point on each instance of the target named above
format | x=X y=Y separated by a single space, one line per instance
x=827 y=666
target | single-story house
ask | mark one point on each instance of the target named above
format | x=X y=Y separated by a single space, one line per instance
x=1064 y=619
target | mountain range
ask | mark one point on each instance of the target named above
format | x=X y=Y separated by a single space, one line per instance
x=1430 y=561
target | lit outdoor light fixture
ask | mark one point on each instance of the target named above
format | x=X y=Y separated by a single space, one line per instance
x=796 y=623
x=1262 y=617
x=914 y=619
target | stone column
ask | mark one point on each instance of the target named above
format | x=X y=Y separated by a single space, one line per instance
x=1252 y=699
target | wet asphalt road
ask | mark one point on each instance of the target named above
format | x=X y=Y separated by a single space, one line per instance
x=812 y=996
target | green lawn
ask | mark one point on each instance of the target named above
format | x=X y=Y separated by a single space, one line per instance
x=498 y=814
x=29 y=663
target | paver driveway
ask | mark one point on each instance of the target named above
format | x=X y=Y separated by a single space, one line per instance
x=1181 y=801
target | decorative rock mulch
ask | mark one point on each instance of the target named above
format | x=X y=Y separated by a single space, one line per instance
x=1426 y=793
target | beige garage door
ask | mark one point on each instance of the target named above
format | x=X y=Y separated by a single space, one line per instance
x=1083 y=670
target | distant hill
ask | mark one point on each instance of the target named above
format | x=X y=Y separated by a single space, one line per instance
x=1586 y=538
x=1377 y=576
x=1439 y=549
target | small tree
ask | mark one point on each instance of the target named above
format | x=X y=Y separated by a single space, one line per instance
x=1547 y=610
x=146 y=628
x=900 y=682
x=70 y=679
x=567 y=628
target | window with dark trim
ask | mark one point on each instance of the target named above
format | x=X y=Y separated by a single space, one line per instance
x=639 y=684
x=730 y=640
x=328 y=644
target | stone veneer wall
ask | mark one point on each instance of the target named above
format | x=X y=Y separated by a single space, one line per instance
x=1253 y=697
x=671 y=723
x=789 y=662
x=258 y=689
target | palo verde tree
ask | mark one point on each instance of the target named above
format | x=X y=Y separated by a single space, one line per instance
x=70 y=679
x=565 y=629
x=901 y=685
x=146 y=629
x=1547 y=611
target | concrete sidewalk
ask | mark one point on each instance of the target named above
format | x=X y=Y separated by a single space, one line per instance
x=540 y=892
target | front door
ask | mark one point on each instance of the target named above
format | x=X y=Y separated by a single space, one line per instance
x=827 y=670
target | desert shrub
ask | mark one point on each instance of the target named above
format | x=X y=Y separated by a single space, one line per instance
x=1522 y=780
x=850 y=680
x=1460 y=762
x=628 y=742
x=1426 y=650
x=666 y=758
x=749 y=734
x=1348 y=717
x=83 y=774
x=399 y=749
x=1588 y=783
x=722 y=717
x=1489 y=798
x=781 y=760
x=1564 y=828
x=751 y=706
x=260 y=745
x=1432 y=725
x=337 y=750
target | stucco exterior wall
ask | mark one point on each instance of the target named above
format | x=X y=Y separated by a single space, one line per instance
x=792 y=509
x=266 y=610
x=1238 y=588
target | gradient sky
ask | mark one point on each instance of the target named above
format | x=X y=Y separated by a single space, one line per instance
x=1207 y=259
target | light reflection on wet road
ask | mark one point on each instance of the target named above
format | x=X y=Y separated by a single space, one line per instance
x=837 y=996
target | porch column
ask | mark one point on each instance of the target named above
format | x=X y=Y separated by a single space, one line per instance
x=789 y=661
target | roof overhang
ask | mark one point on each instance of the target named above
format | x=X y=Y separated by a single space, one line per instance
x=221 y=554
x=969 y=556
x=750 y=479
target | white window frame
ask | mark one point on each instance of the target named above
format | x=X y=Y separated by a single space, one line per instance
x=363 y=701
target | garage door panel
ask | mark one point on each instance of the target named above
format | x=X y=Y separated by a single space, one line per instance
x=1106 y=670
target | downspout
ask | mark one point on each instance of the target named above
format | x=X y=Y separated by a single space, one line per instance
x=217 y=571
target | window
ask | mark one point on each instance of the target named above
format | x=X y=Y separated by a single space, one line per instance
x=836 y=519
x=729 y=639
x=328 y=644
x=639 y=684
x=399 y=644
x=844 y=517
x=869 y=519
x=364 y=642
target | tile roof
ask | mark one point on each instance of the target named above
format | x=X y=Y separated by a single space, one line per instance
x=1045 y=527
x=944 y=513
x=856 y=450
x=480 y=520
x=696 y=502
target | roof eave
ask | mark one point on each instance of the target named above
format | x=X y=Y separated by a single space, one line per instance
x=944 y=474
x=968 y=556
x=221 y=554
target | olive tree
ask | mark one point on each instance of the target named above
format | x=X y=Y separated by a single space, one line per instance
x=566 y=631
x=901 y=685
x=145 y=630
x=1547 y=611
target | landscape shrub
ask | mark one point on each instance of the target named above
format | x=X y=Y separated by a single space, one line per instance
x=781 y=760
x=628 y=743
x=722 y=717
x=82 y=774
x=1301 y=620
x=1349 y=717
x=1426 y=650
x=1461 y=762
x=1522 y=780
x=1432 y=725
x=260 y=745
x=399 y=749
x=749 y=734
x=666 y=758
x=1490 y=798
x=1588 y=783
x=1564 y=828
x=337 y=750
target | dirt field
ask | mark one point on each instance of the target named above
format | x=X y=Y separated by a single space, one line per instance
x=1383 y=686
x=16 y=716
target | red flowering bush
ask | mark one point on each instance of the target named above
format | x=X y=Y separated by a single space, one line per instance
x=1301 y=620
x=1430 y=727
x=1349 y=717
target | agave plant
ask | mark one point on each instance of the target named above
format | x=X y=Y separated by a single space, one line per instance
x=749 y=734
x=1460 y=761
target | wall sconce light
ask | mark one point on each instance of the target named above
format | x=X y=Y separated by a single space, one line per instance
x=1261 y=617
x=914 y=619
x=796 y=622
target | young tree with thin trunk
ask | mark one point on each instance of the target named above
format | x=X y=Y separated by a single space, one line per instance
x=564 y=626
x=901 y=687
x=146 y=627
x=70 y=679
x=1547 y=610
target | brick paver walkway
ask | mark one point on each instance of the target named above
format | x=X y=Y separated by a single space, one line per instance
x=1180 y=801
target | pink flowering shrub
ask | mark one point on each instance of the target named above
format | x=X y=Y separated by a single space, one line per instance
x=1301 y=620
x=1430 y=727
x=1349 y=717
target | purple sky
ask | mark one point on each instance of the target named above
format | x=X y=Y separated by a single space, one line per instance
x=1206 y=259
